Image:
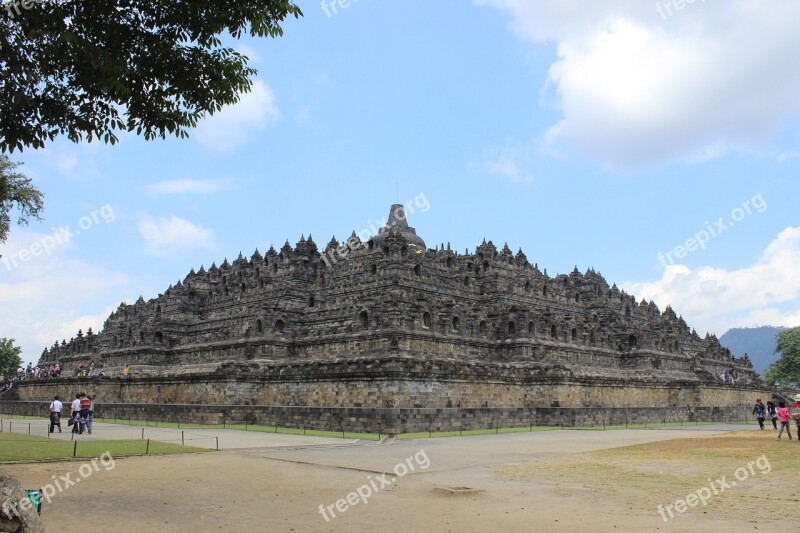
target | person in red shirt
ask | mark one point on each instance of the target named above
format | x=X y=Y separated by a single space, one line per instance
x=86 y=405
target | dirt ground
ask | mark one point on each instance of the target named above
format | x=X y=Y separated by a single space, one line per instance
x=551 y=481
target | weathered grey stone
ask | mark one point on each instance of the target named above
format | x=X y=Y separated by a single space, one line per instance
x=16 y=513
x=390 y=296
x=389 y=324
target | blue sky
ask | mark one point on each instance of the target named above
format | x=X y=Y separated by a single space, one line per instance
x=589 y=135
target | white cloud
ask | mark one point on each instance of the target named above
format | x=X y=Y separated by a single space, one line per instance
x=716 y=299
x=189 y=186
x=768 y=317
x=66 y=163
x=45 y=300
x=163 y=235
x=510 y=163
x=233 y=126
x=638 y=89
x=79 y=162
x=254 y=58
x=787 y=155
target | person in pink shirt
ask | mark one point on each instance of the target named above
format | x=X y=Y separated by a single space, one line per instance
x=783 y=416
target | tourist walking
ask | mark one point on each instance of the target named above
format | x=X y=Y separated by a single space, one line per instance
x=55 y=414
x=90 y=416
x=760 y=411
x=86 y=406
x=783 y=414
x=795 y=413
x=75 y=410
x=772 y=414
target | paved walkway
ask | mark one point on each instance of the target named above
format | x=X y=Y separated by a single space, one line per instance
x=453 y=452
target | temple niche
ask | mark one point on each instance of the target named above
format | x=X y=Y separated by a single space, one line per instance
x=394 y=297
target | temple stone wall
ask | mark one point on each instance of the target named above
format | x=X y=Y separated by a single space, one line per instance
x=404 y=404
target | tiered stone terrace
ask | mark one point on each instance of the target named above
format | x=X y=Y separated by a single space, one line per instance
x=390 y=323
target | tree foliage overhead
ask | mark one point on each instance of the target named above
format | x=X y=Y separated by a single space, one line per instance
x=9 y=357
x=87 y=68
x=786 y=370
x=16 y=191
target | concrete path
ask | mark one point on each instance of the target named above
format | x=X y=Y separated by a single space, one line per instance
x=451 y=452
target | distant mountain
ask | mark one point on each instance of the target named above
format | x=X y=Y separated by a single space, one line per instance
x=758 y=343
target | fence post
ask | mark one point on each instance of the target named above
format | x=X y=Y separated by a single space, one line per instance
x=147 y=448
x=29 y=428
x=182 y=438
x=217 y=443
x=142 y=433
x=74 y=448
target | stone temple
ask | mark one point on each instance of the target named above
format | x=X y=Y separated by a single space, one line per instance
x=390 y=332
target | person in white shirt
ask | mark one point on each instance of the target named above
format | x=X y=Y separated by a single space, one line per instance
x=55 y=415
x=76 y=410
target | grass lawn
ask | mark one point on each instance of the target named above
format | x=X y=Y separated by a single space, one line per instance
x=243 y=427
x=493 y=431
x=16 y=447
